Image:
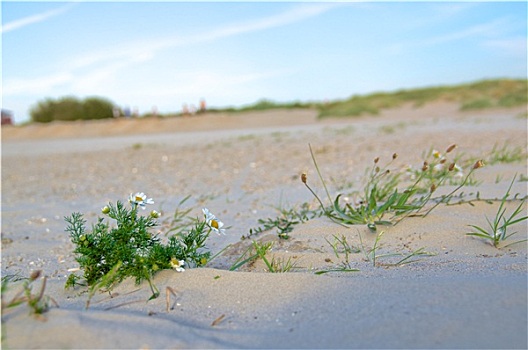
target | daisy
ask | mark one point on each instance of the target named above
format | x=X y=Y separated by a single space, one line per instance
x=177 y=264
x=213 y=223
x=459 y=171
x=140 y=199
x=438 y=167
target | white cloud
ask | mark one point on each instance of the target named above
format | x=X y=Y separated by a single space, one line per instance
x=95 y=69
x=131 y=49
x=40 y=17
x=40 y=85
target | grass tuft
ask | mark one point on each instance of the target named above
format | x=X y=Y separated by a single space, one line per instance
x=497 y=230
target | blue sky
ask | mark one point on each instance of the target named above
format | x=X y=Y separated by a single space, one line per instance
x=165 y=54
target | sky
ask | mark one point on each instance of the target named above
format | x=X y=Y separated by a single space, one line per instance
x=143 y=55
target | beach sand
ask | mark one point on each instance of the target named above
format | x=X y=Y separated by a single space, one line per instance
x=242 y=167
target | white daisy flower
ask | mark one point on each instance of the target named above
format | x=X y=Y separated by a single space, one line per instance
x=177 y=264
x=213 y=223
x=459 y=171
x=140 y=199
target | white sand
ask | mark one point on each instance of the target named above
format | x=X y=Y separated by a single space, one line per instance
x=469 y=295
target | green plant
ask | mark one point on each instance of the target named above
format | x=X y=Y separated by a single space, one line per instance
x=380 y=196
x=506 y=154
x=340 y=245
x=285 y=221
x=382 y=202
x=447 y=198
x=107 y=255
x=438 y=169
x=258 y=250
x=181 y=221
x=38 y=303
x=371 y=255
x=497 y=230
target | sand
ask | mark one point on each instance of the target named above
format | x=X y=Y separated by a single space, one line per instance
x=467 y=295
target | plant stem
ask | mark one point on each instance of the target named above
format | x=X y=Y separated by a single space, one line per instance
x=450 y=193
x=319 y=173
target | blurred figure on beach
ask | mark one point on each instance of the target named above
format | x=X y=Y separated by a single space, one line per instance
x=185 y=110
x=127 y=112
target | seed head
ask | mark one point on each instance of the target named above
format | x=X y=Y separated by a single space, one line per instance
x=425 y=166
x=34 y=275
x=433 y=188
x=450 y=148
x=478 y=164
x=303 y=178
x=376 y=160
x=443 y=160
x=395 y=155
x=452 y=166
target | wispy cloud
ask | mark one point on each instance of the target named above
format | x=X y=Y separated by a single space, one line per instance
x=511 y=46
x=93 y=68
x=437 y=13
x=40 y=17
x=296 y=14
x=483 y=31
x=38 y=85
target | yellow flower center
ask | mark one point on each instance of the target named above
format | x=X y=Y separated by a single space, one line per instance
x=214 y=224
x=139 y=199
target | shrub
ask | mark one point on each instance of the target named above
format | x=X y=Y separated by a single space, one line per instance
x=71 y=108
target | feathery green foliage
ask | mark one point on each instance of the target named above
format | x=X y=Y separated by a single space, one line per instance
x=112 y=253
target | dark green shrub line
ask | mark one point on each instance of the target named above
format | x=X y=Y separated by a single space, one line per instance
x=71 y=108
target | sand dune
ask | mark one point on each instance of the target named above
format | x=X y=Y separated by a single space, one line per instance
x=467 y=295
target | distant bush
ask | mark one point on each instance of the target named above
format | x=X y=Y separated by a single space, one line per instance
x=71 y=108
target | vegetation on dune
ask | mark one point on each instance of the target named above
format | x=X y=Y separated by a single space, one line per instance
x=477 y=95
x=266 y=104
x=471 y=96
